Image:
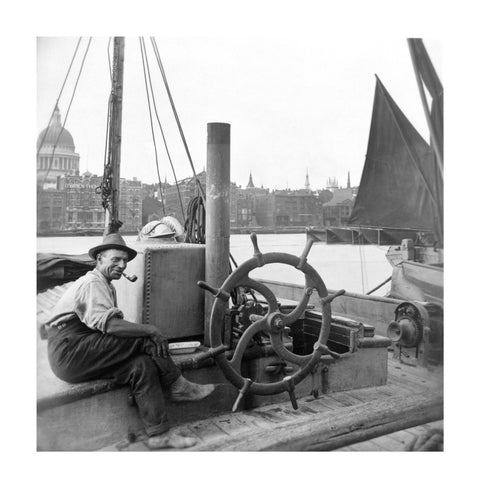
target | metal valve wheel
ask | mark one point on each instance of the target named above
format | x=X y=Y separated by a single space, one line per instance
x=273 y=322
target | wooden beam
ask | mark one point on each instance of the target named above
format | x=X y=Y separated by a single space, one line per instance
x=336 y=429
x=217 y=228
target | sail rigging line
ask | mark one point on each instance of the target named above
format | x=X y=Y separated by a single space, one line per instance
x=179 y=125
x=68 y=110
x=384 y=282
x=161 y=130
x=106 y=152
x=421 y=89
x=182 y=135
x=59 y=95
x=109 y=60
x=105 y=187
x=142 y=47
x=362 y=263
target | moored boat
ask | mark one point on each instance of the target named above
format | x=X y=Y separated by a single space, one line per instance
x=302 y=367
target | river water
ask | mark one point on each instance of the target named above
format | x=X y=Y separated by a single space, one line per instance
x=352 y=267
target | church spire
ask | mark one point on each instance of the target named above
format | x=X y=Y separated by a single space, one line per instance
x=307 y=182
x=56 y=120
x=250 y=182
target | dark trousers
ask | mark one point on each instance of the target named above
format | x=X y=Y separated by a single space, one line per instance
x=77 y=353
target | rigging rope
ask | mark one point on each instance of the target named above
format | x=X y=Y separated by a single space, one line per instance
x=109 y=60
x=164 y=76
x=59 y=95
x=384 y=282
x=195 y=234
x=161 y=130
x=105 y=187
x=362 y=262
x=195 y=222
x=68 y=111
x=142 y=47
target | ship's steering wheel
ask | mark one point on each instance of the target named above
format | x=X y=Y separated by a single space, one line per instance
x=273 y=322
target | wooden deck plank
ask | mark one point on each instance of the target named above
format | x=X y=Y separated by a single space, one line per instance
x=399 y=388
x=420 y=371
x=405 y=384
x=395 y=441
x=392 y=390
x=416 y=379
x=346 y=399
x=430 y=374
x=413 y=382
x=263 y=419
x=361 y=422
x=347 y=448
x=284 y=410
x=351 y=448
x=206 y=430
x=422 y=429
x=403 y=436
x=233 y=424
x=388 y=443
x=327 y=402
x=366 y=446
x=368 y=394
x=228 y=432
x=251 y=421
x=312 y=410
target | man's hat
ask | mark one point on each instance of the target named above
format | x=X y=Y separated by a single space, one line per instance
x=112 y=241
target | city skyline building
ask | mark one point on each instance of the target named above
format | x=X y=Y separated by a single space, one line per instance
x=56 y=154
x=70 y=201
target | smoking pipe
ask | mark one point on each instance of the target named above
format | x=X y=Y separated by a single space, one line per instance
x=131 y=278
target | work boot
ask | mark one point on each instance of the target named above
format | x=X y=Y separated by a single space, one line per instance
x=170 y=440
x=183 y=390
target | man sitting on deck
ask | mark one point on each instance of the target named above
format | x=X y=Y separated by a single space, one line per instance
x=89 y=339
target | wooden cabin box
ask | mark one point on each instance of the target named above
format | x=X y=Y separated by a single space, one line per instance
x=166 y=292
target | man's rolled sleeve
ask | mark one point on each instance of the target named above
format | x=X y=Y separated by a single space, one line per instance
x=94 y=305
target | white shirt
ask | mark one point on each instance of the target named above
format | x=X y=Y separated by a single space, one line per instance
x=92 y=298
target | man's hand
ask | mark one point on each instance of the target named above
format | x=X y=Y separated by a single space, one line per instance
x=161 y=344
x=155 y=343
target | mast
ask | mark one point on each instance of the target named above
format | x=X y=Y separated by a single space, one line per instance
x=112 y=223
x=433 y=135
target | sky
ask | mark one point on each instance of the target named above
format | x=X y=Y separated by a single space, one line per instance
x=295 y=103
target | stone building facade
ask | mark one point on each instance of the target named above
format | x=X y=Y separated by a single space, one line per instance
x=56 y=154
x=68 y=201
x=51 y=205
x=188 y=191
x=337 y=210
x=130 y=210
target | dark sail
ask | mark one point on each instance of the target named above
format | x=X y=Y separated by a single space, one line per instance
x=400 y=186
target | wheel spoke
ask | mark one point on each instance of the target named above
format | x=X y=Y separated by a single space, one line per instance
x=295 y=314
x=242 y=344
